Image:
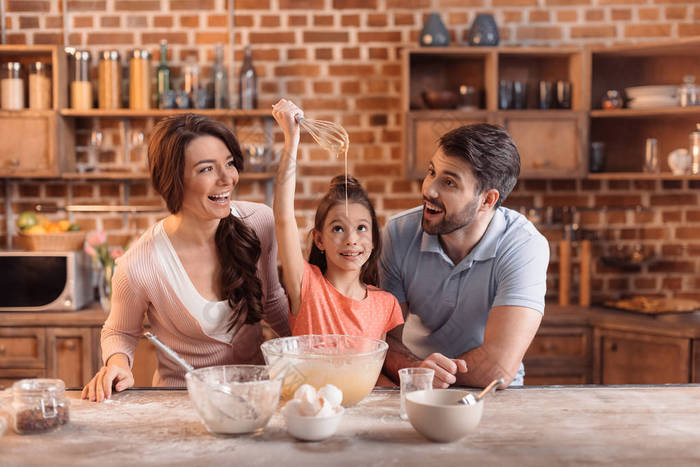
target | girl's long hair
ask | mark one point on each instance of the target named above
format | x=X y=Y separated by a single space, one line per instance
x=237 y=244
x=355 y=194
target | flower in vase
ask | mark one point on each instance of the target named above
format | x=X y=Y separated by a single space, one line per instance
x=103 y=258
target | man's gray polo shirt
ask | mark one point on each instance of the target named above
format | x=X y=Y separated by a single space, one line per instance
x=449 y=304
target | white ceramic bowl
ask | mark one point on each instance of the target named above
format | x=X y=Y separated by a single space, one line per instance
x=437 y=414
x=313 y=428
x=350 y=363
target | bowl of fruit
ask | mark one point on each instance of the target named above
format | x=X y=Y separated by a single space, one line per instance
x=38 y=233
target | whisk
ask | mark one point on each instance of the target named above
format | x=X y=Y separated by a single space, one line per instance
x=330 y=136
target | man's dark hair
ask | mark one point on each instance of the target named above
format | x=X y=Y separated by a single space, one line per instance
x=491 y=153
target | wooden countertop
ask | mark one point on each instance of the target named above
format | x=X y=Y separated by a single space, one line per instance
x=669 y=324
x=634 y=425
x=90 y=316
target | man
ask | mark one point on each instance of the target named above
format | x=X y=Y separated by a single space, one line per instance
x=469 y=274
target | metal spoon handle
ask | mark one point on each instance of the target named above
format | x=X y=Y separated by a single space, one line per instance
x=170 y=352
x=488 y=388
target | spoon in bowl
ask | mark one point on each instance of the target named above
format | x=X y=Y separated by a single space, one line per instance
x=469 y=399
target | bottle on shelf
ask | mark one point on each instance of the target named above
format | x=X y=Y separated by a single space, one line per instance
x=191 y=87
x=39 y=85
x=163 y=78
x=219 y=80
x=12 y=86
x=140 y=79
x=109 y=79
x=80 y=86
x=695 y=151
x=248 y=83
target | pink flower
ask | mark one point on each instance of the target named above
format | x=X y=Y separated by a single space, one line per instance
x=89 y=249
x=117 y=252
x=96 y=237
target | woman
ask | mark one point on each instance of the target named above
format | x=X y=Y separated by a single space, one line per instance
x=205 y=275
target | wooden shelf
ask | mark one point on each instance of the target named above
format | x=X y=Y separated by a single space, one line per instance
x=131 y=113
x=645 y=113
x=640 y=176
x=245 y=176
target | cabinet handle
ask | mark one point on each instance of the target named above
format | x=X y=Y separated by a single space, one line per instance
x=613 y=347
x=2 y=350
x=68 y=345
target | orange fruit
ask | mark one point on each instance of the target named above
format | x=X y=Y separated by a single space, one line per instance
x=53 y=227
x=64 y=225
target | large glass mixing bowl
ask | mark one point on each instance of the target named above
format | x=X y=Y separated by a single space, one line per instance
x=234 y=399
x=351 y=363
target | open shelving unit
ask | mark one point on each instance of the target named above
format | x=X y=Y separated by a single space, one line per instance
x=551 y=142
x=624 y=131
x=554 y=143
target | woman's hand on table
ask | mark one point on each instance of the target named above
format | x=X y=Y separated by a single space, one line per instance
x=445 y=369
x=115 y=373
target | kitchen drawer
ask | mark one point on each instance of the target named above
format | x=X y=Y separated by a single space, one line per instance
x=560 y=342
x=9 y=376
x=22 y=348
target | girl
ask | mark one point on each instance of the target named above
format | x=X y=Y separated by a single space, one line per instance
x=206 y=275
x=335 y=291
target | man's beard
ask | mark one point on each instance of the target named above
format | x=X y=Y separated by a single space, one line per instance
x=450 y=223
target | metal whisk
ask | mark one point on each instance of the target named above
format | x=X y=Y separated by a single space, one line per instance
x=330 y=136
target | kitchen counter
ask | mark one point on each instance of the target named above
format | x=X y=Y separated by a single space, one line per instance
x=623 y=425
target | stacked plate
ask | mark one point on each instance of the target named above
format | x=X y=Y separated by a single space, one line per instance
x=648 y=97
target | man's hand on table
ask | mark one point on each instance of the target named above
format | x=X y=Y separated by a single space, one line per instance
x=115 y=373
x=446 y=369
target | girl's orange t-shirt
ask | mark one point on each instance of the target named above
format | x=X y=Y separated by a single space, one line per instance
x=324 y=310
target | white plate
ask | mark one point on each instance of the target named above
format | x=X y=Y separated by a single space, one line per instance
x=652 y=91
x=652 y=102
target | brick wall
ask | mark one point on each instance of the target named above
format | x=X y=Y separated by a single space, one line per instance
x=339 y=59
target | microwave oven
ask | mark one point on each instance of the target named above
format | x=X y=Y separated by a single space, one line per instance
x=45 y=281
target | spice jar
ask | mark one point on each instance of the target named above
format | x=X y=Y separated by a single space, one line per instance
x=12 y=86
x=80 y=86
x=39 y=85
x=140 y=79
x=109 y=80
x=611 y=100
x=39 y=405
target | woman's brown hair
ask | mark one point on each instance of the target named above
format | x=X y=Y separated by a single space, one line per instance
x=336 y=194
x=237 y=245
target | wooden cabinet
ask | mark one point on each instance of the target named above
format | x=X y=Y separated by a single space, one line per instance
x=552 y=143
x=559 y=355
x=624 y=131
x=34 y=142
x=624 y=357
x=68 y=353
x=72 y=354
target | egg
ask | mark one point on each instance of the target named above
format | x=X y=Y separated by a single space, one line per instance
x=332 y=394
x=291 y=407
x=305 y=390
x=326 y=409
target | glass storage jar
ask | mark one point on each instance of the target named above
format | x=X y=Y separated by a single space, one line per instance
x=80 y=86
x=140 y=79
x=39 y=405
x=12 y=86
x=109 y=74
x=39 y=85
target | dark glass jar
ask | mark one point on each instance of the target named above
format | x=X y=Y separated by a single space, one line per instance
x=39 y=405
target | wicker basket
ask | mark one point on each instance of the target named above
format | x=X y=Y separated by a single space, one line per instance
x=64 y=241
